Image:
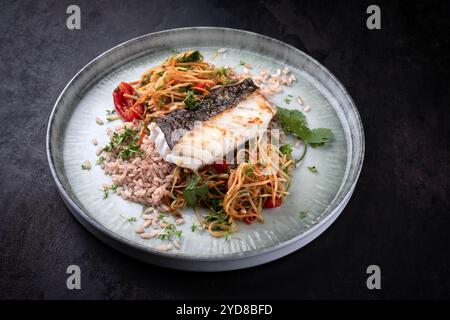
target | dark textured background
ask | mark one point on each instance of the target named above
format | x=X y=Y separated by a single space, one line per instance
x=397 y=218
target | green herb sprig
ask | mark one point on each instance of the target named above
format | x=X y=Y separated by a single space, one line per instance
x=129 y=219
x=286 y=149
x=194 y=56
x=294 y=122
x=191 y=101
x=169 y=230
x=288 y=99
x=100 y=160
x=303 y=214
x=124 y=143
x=194 y=226
x=193 y=192
x=106 y=191
x=313 y=169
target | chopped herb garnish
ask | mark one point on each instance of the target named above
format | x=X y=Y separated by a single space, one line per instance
x=193 y=193
x=184 y=89
x=222 y=71
x=303 y=214
x=100 y=160
x=191 y=101
x=313 y=169
x=86 y=166
x=287 y=100
x=193 y=56
x=318 y=137
x=194 y=227
x=249 y=171
x=161 y=216
x=128 y=151
x=112 y=188
x=286 y=149
x=242 y=63
x=129 y=219
x=168 y=231
x=220 y=217
x=146 y=80
x=160 y=102
x=294 y=122
x=110 y=112
x=216 y=204
x=124 y=143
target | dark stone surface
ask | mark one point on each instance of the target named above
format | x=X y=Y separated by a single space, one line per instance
x=398 y=217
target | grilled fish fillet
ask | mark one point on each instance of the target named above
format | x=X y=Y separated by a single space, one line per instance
x=223 y=121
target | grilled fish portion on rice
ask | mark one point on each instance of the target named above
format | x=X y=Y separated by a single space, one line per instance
x=223 y=121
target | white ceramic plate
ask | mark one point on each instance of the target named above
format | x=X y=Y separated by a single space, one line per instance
x=323 y=195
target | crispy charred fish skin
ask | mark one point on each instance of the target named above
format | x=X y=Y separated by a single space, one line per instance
x=218 y=101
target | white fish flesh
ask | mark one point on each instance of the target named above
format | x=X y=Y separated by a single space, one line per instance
x=223 y=121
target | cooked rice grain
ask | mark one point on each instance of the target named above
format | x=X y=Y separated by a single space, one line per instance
x=145 y=179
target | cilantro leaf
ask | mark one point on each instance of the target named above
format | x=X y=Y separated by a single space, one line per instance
x=313 y=169
x=303 y=214
x=223 y=71
x=191 y=101
x=294 y=122
x=287 y=100
x=319 y=136
x=168 y=231
x=146 y=80
x=192 y=193
x=286 y=114
x=193 y=180
x=286 y=149
x=100 y=160
x=124 y=143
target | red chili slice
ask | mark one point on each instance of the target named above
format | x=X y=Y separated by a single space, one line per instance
x=249 y=220
x=220 y=167
x=273 y=204
x=200 y=85
x=124 y=105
